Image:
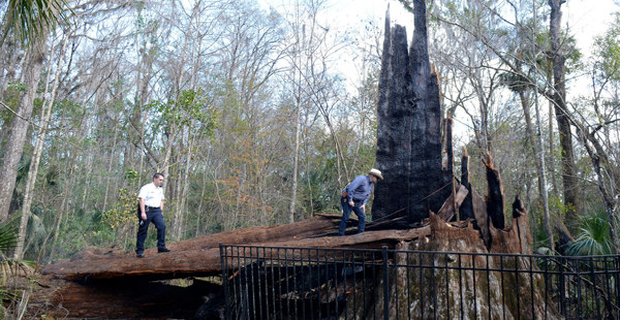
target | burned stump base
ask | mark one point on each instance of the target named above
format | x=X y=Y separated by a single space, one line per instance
x=445 y=273
x=469 y=280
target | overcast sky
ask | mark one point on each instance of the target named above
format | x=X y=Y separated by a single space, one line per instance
x=585 y=18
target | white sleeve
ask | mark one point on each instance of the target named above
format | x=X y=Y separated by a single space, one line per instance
x=143 y=192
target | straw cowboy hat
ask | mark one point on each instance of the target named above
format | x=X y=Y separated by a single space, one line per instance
x=376 y=173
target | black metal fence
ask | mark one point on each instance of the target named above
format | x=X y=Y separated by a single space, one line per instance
x=310 y=283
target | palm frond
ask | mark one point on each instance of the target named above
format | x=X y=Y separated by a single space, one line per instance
x=29 y=18
x=8 y=238
x=8 y=241
x=10 y=268
x=594 y=237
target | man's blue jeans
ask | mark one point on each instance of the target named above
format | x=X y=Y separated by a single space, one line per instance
x=346 y=212
x=155 y=216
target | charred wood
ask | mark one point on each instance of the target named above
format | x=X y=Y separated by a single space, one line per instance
x=495 y=198
x=466 y=209
x=408 y=128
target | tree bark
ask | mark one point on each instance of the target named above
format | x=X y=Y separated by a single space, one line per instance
x=495 y=200
x=31 y=73
x=569 y=178
x=542 y=175
x=408 y=127
x=466 y=209
x=46 y=114
x=293 y=199
x=10 y=58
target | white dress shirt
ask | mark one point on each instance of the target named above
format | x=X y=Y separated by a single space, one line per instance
x=152 y=195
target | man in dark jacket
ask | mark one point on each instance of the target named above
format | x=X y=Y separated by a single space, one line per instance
x=355 y=196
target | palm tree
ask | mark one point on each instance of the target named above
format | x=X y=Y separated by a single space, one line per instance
x=594 y=236
x=28 y=18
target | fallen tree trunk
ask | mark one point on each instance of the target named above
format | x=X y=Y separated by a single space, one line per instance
x=201 y=256
x=109 y=283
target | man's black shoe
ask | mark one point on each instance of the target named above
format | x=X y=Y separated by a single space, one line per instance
x=140 y=255
x=160 y=250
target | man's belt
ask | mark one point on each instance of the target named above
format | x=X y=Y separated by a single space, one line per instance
x=147 y=208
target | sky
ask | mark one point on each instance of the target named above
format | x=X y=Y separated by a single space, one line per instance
x=584 y=18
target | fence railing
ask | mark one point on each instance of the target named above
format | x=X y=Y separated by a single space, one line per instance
x=311 y=283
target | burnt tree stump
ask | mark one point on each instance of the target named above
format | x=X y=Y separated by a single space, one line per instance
x=409 y=141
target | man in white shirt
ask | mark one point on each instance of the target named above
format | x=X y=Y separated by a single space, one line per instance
x=151 y=197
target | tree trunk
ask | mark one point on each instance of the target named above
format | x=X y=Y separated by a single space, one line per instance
x=408 y=127
x=495 y=200
x=449 y=170
x=183 y=186
x=540 y=155
x=110 y=160
x=569 y=178
x=201 y=255
x=466 y=209
x=439 y=294
x=293 y=200
x=10 y=58
x=31 y=73
x=46 y=114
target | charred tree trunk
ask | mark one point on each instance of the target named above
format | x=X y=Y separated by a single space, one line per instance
x=466 y=209
x=408 y=127
x=495 y=200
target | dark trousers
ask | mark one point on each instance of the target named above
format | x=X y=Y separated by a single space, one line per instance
x=346 y=213
x=152 y=215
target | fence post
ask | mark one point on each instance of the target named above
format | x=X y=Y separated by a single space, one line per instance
x=224 y=281
x=561 y=287
x=386 y=283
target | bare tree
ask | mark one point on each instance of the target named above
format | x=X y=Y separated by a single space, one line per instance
x=31 y=73
x=46 y=113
